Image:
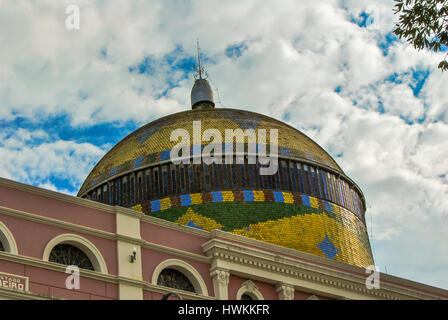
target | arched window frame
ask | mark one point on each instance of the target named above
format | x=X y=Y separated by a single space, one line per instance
x=95 y=256
x=249 y=288
x=187 y=270
x=7 y=239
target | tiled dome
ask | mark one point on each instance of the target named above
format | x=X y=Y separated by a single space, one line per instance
x=309 y=205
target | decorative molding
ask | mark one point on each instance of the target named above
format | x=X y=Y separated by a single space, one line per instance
x=285 y=292
x=17 y=295
x=220 y=278
x=131 y=282
x=308 y=276
x=312 y=297
x=83 y=244
x=249 y=288
x=249 y=285
x=186 y=269
x=305 y=258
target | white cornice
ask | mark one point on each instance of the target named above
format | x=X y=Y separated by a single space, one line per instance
x=325 y=262
x=273 y=266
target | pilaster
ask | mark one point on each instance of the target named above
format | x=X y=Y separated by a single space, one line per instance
x=220 y=279
x=128 y=226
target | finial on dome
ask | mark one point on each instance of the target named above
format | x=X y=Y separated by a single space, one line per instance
x=202 y=93
x=199 y=69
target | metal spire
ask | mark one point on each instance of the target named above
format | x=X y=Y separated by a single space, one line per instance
x=201 y=93
x=199 y=68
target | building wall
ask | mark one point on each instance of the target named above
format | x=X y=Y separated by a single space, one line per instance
x=32 y=238
x=172 y=238
x=219 y=263
x=267 y=290
x=151 y=259
x=54 y=208
x=52 y=283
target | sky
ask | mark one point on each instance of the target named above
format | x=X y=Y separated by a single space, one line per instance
x=331 y=68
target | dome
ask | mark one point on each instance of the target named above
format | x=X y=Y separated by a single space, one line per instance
x=309 y=205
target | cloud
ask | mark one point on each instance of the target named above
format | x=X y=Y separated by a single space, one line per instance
x=35 y=158
x=331 y=68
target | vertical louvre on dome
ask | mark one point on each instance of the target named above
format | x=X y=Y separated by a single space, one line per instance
x=151 y=144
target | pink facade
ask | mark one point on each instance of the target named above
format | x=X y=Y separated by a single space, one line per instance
x=35 y=216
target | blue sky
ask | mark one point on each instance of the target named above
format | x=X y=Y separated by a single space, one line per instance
x=332 y=69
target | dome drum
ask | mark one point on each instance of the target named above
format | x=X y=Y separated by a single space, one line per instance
x=293 y=175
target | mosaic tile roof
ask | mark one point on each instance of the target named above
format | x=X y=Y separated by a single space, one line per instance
x=291 y=220
x=151 y=143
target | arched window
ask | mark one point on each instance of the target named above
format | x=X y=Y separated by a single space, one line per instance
x=72 y=249
x=174 y=279
x=178 y=274
x=70 y=255
x=7 y=242
x=246 y=296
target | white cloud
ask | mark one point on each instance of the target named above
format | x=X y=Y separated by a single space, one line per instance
x=298 y=53
x=27 y=158
x=435 y=96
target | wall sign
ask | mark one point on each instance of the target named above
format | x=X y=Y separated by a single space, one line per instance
x=13 y=282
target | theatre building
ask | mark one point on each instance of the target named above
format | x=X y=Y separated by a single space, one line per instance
x=143 y=226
